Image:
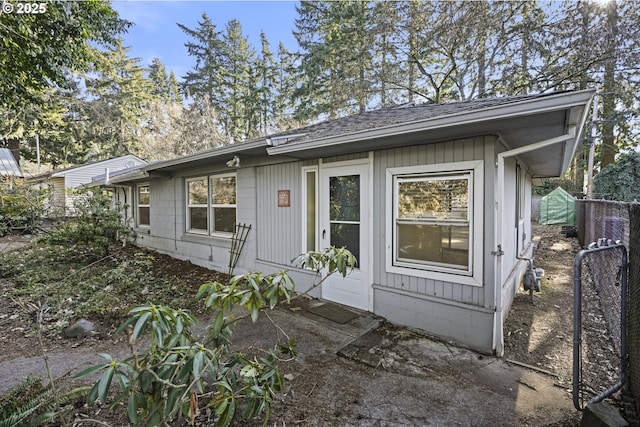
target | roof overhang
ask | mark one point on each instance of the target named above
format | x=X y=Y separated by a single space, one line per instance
x=518 y=124
x=252 y=148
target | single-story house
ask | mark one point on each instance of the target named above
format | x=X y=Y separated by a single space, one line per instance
x=434 y=201
x=63 y=181
x=9 y=167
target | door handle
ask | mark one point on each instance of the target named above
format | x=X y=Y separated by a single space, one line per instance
x=324 y=233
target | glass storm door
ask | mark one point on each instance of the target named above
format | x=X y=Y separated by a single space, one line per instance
x=345 y=223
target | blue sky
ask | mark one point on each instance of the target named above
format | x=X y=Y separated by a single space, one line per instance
x=155 y=33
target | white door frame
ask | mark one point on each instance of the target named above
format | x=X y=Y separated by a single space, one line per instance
x=336 y=288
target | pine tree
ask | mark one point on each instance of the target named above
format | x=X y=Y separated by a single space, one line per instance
x=238 y=62
x=159 y=79
x=266 y=87
x=121 y=97
x=205 y=80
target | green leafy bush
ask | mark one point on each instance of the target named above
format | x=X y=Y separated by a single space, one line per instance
x=164 y=384
x=619 y=180
x=97 y=223
x=21 y=207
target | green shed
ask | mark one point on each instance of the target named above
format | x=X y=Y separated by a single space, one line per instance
x=558 y=207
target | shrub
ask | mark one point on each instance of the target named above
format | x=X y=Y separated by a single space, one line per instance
x=619 y=180
x=21 y=207
x=96 y=225
x=164 y=383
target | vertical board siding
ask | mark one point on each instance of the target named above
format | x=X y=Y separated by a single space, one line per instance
x=280 y=227
x=247 y=212
x=477 y=148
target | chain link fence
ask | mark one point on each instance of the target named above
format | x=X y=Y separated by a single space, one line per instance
x=596 y=219
x=633 y=329
x=599 y=340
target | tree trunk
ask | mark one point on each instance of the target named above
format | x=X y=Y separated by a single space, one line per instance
x=609 y=148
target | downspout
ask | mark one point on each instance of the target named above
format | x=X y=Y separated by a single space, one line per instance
x=498 y=333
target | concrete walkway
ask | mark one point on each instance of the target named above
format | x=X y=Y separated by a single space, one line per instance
x=387 y=376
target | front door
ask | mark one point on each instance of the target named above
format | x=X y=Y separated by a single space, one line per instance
x=344 y=221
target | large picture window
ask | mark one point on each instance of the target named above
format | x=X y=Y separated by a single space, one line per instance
x=143 y=198
x=211 y=204
x=432 y=220
x=433 y=229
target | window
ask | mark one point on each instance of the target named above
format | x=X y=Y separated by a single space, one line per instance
x=144 y=205
x=211 y=204
x=434 y=230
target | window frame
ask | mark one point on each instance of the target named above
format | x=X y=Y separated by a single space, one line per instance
x=210 y=214
x=471 y=170
x=209 y=205
x=142 y=205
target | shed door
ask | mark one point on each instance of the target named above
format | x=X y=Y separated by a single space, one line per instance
x=344 y=221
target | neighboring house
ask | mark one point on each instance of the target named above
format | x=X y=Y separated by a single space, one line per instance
x=9 y=168
x=434 y=200
x=63 y=181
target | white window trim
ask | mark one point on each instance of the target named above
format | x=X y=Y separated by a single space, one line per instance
x=474 y=275
x=210 y=217
x=139 y=205
x=305 y=225
x=189 y=205
x=209 y=206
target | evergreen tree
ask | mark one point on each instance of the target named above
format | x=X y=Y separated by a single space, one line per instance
x=159 y=79
x=284 y=105
x=120 y=97
x=205 y=80
x=266 y=87
x=238 y=58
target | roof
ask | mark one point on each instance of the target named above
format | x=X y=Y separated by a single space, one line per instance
x=392 y=116
x=550 y=123
x=8 y=164
x=63 y=172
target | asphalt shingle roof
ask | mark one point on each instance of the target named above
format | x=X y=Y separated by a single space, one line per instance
x=397 y=115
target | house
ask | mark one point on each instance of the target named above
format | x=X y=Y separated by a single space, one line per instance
x=434 y=201
x=63 y=181
x=9 y=168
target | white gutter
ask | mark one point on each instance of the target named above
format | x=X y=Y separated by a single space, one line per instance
x=498 y=333
x=520 y=108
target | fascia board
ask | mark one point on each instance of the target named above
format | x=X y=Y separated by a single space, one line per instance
x=580 y=122
x=210 y=154
x=516 y=109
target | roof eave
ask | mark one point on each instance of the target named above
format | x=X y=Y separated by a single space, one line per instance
x=578 y=119
x=211 y=154
x=561 y=101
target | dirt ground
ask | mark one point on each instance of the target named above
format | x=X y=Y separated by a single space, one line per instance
x=538 y=335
